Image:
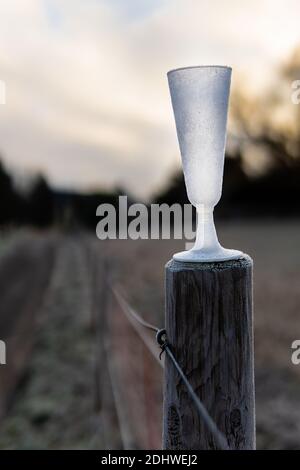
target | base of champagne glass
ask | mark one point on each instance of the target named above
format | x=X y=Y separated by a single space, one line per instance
x=207 y=256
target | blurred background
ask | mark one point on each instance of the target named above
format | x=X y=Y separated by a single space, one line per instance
x=87 y=117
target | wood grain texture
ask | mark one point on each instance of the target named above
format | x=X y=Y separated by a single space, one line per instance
x=210 y=330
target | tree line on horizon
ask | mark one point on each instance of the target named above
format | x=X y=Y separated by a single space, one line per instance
x=273 y=194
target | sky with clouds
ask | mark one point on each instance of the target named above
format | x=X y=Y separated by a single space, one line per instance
x=87 y=101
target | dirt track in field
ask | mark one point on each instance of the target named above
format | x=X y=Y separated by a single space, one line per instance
x=24 y=273
x=25 y=270
x=48 y=388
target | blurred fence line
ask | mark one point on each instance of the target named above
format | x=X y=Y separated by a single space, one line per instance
x=135 y=379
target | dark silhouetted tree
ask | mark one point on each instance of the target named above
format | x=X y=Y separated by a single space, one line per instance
x=11 y=206
x=41 y=204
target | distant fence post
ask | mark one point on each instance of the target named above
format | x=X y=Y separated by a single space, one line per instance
x=210 y=330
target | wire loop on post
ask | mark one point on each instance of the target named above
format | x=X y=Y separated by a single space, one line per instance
x=161 y=338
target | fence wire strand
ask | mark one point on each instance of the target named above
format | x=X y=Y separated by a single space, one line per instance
x=219 y=437
x=131 y=311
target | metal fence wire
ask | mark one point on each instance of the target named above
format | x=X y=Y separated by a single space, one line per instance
x=162 y=341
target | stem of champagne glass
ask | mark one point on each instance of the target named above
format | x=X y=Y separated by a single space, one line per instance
x=206 y=236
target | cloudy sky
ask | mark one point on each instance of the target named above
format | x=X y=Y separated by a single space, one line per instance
x=87 y=101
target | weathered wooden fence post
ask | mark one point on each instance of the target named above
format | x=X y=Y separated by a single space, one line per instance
x=210 y=331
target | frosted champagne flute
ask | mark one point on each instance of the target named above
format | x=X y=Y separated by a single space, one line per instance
x=200 y=98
